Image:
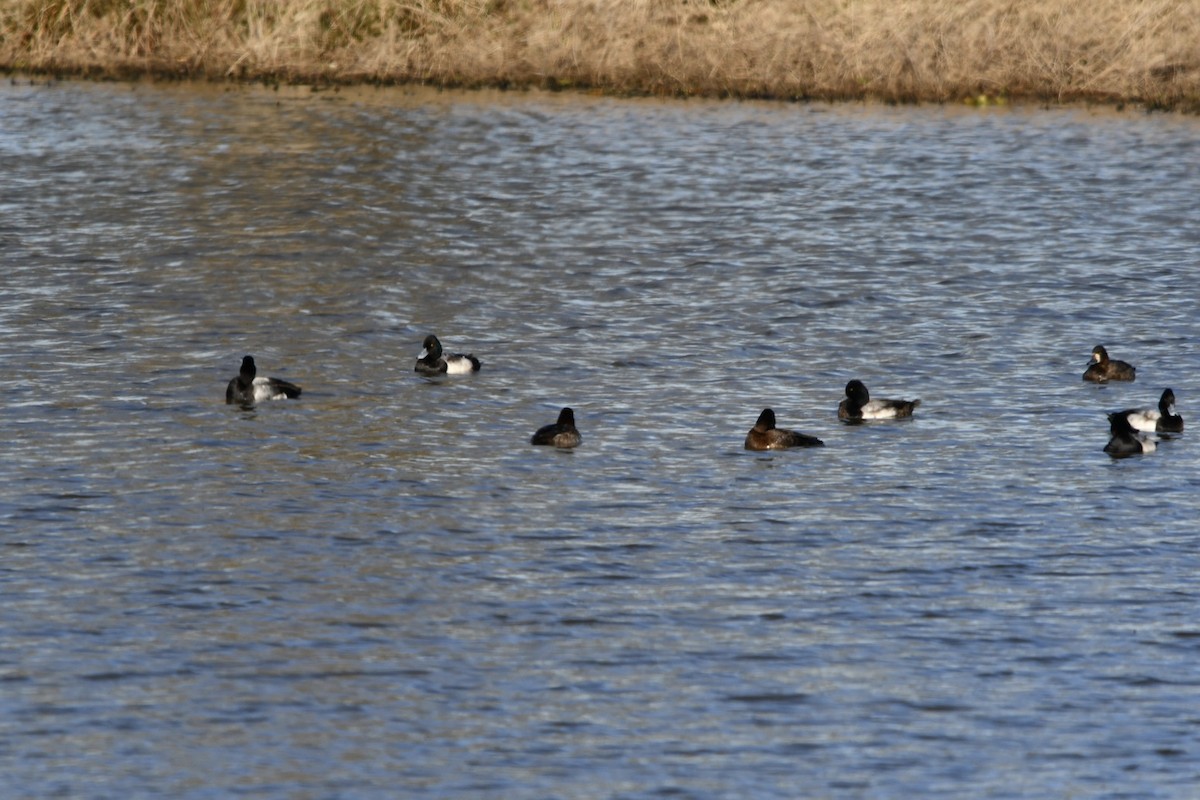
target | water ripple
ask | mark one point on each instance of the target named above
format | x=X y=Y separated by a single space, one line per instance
x=384 y=585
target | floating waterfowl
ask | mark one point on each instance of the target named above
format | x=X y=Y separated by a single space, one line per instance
x=248 y=389
x=1103 y=369
x=561 y=434
x=1156 y=420
x=431 y=360
x=858 y=405
x=1125 y=441
x=765 y=436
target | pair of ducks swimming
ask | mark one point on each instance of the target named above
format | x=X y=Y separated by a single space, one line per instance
x=433 y=361
x=248 y=388
x=1126 y=427
x=856 y=407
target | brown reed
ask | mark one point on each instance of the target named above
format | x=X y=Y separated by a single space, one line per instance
x=1108 y=51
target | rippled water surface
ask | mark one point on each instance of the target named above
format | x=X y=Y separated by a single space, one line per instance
x=383 y=590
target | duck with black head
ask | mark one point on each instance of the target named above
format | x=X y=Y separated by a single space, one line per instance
x=858 y=405
x=561 y=434
x=765 y=436
x=1156 y=420
x=247 y=388
x=1124 y=441
x=432 y=361
x=1103 y=369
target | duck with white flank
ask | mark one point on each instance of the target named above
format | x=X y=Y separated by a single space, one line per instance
x=1156 y=420
x=431 y=361
x=1125 y=441
x=858 y=405
x=248 y=389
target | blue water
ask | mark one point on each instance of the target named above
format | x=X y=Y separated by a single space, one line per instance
x=382 y=590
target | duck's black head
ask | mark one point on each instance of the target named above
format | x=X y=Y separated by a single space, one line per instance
x=766 y=420
x=856 y=390
x=433 y=348
x=1119 y=425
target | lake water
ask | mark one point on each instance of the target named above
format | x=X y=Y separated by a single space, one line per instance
x=382 y=590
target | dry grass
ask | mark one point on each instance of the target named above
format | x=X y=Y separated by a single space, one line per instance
x=1113 y=51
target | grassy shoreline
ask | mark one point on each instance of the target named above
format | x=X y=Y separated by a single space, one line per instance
x=902 y=51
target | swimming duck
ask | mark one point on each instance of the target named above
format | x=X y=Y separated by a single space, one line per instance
x=1102 y=369
x=1125 y=440
x=1159 y=420
x=858 y=405
x=248 y=389
x=765 y=436
x=561 y=434
x=431 y=361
